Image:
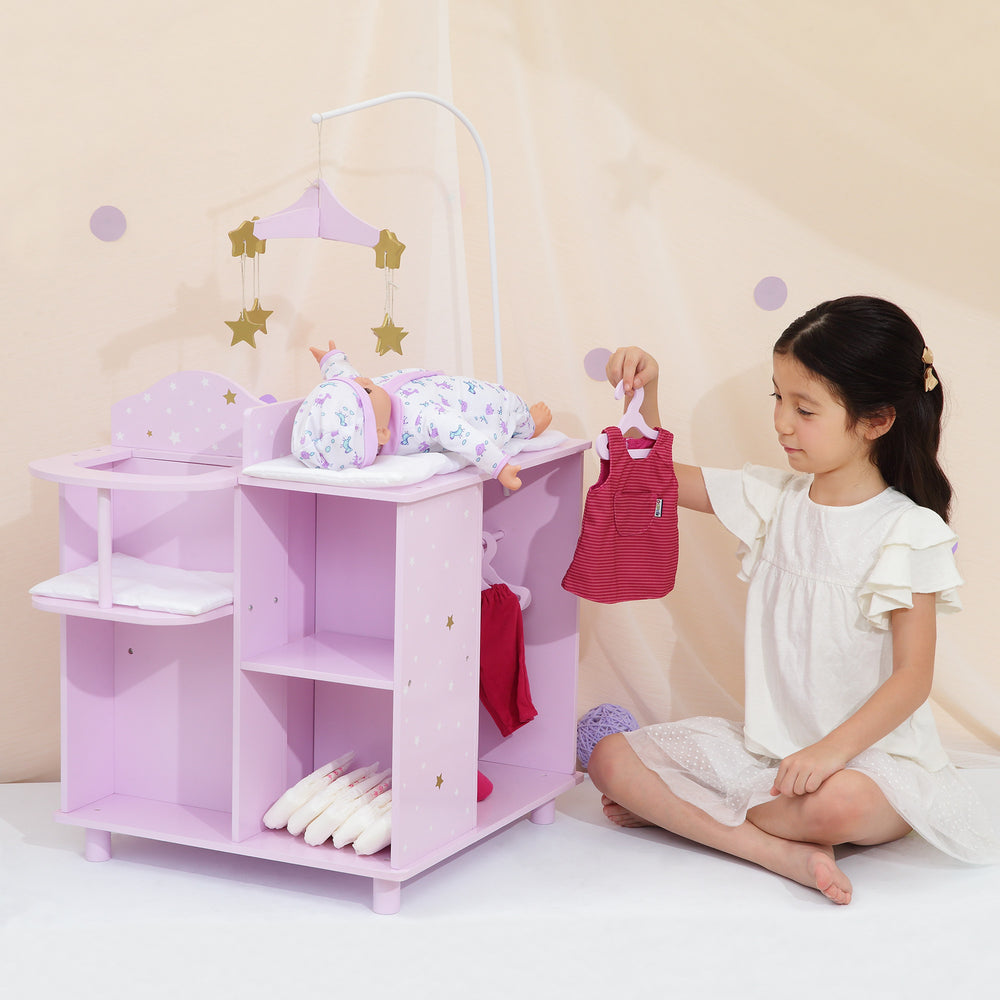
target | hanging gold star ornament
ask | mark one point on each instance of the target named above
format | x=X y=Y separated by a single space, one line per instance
x=243 y=330
x=389 y=337
x=258 y=315
x=253 y=320
x=388 y=250
x=243 y=240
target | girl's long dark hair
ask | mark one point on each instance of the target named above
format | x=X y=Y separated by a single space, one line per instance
x=870 y=355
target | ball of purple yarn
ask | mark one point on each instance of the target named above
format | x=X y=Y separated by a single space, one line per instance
x=598 y=723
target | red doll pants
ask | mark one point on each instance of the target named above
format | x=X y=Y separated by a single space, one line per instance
x=503 y=680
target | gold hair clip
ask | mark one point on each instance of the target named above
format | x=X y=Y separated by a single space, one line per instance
x=930 y=382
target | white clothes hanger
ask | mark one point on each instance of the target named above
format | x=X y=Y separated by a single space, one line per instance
x=632 y=419
x=490 y=575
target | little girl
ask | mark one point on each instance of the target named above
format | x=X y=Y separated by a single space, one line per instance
x=848 y=558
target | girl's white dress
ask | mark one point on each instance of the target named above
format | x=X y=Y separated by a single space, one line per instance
x=823 y=582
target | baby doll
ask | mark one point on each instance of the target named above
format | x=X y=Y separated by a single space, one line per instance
x=347 y=419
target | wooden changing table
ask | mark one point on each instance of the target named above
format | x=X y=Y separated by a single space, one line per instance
x=354 y=625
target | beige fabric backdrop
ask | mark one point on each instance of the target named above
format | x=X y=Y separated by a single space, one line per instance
x=652 y=161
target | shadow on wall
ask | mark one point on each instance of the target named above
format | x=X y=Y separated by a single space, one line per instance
x=707 y=605
x=29 y=715
x=195 y=311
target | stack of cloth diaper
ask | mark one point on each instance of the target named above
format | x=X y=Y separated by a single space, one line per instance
x=335 y=802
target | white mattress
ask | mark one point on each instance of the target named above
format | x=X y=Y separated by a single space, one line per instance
x=136 y=583
x=388 y=470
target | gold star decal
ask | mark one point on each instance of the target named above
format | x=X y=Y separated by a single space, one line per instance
x=439 y=781
x=243 y=329
x=244 y=241
x=388 y=250
x=149 y=434
x=389 y=337
x=450 y=624
x=230 y=397
x=258 y=316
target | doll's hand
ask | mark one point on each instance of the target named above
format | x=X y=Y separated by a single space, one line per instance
x=803 y=772
x=508 y=477
x=319 y=354
x=633 y=366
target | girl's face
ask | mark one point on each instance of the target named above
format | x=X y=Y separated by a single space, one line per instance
x=812 y=426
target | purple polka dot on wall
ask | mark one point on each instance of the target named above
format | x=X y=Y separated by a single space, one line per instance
x=594 y=362
x=108 y=223
x=770 y=293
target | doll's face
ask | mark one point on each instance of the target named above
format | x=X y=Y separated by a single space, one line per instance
x=381 y=404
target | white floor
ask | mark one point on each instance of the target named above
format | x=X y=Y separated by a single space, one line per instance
x=575 y=909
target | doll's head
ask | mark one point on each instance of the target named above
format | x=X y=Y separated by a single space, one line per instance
x=358 y=411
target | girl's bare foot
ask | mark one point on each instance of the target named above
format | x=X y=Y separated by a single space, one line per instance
x=830 y=880
x=542 y=416
x=814 y=866
x=811 y=865
x=620 y=815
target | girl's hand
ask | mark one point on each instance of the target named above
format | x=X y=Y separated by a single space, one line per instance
x=803 y=772
x=633 y=366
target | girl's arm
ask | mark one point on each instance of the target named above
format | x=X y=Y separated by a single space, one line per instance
x=914 y=632
x=638 y=369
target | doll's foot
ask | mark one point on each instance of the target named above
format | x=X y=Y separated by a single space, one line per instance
x=621 y=816
x=542 y=416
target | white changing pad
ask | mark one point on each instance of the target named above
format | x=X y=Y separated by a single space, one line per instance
x=139 y=584
x=389 y=470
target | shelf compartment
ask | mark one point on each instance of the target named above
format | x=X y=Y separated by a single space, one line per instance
x=365 y=661
x=147 y=713
x=153 y=819
x=289 y=725
x=518 y=792
x=165 y=592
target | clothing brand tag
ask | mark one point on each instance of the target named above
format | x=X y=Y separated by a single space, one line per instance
x=659 y=509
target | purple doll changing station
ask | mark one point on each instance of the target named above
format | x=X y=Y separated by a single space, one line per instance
x=224 y=635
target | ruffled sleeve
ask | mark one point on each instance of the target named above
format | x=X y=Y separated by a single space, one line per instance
x=745 y=501
x=916 y=557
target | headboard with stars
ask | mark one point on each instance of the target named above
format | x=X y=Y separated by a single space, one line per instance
x=187 y=413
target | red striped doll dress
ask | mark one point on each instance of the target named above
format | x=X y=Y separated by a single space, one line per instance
x=628 y=545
